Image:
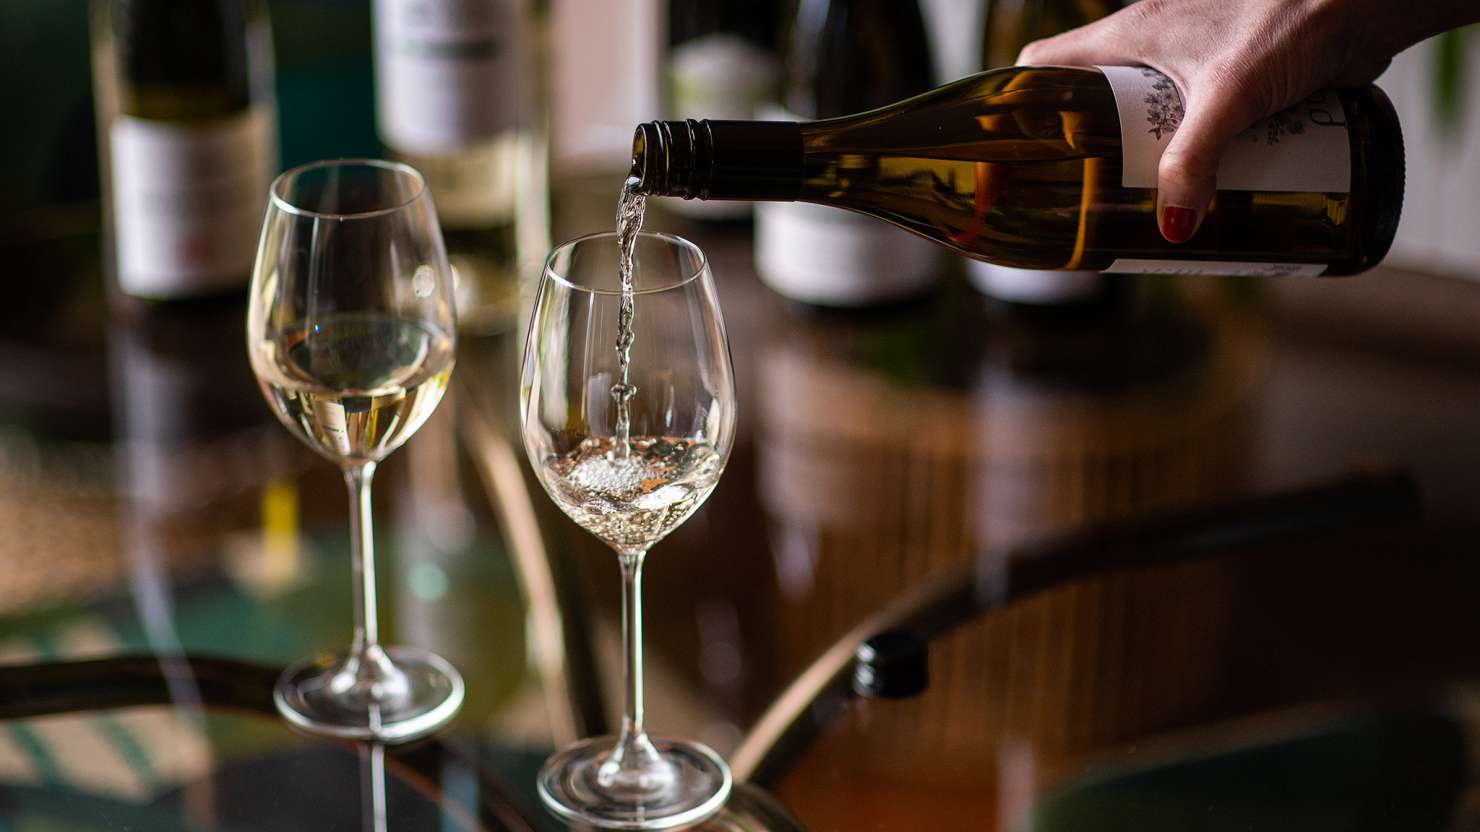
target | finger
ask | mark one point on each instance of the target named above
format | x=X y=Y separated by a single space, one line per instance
x=1187 y=174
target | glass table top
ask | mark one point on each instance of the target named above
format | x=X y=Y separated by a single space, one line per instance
x=1202 y=552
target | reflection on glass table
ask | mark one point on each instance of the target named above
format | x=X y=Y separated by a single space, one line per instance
x=222 y=761
x=960 y=433
x=227 y=763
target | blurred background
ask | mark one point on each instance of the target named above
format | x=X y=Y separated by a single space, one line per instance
x=905 y=415
x=594 y=71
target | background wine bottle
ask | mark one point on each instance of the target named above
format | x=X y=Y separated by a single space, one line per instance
x=187 y=136
x=459 y=96
x=722 y=63
x=1008 y=26
x=184 y=401
x=845 y=56
x=1012 y=24
x=1055 y=168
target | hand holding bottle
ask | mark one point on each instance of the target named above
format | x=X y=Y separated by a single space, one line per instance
x=1235 y=61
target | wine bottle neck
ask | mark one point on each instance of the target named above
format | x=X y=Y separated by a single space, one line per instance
x=752 y=160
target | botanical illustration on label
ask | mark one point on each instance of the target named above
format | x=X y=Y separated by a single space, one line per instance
x=188 y=201
x=1301 y=148
x=444 y=72
x=1163 y=104
x=1211 y=267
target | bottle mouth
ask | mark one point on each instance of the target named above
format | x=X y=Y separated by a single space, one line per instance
x=640 y=144
x=702 y=159
x=663 y=157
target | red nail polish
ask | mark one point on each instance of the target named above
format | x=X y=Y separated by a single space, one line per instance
x=1178 y=223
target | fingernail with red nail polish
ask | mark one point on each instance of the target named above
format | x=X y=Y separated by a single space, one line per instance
x=1178 y=223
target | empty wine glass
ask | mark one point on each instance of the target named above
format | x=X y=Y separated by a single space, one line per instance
x=629 y=481
x=351 y=336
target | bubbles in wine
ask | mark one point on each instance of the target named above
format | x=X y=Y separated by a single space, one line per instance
x=632 y=501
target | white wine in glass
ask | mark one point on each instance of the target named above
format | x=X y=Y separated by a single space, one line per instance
x=634 y=502
x=350 y=401
x=351 y=335
x=628 y=416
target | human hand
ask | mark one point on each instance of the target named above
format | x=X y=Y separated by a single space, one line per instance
x=1236 y=61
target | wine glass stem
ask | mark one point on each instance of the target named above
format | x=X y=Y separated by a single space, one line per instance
x=632 y=730
x=634 y=766
x=362 y=550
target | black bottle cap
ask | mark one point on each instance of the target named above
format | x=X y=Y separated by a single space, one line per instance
x=718 y=159
x=892 y=665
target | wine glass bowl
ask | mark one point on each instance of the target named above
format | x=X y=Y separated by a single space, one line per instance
x=351 y=335
x=682 y=406
x=629 y=482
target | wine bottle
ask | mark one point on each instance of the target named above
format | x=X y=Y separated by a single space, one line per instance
x=181 y=392
x=187 y=137
x=844 y=56
x=1012 y=24
x=721 y=64
x=1009 y=25
x=1055 y=168
x=457 y=96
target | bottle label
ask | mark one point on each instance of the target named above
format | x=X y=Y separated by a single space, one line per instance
x=718 y=76
x=188 y=201
x=334 y=422
x=821 y=255
x=1031 y=285
x=1220 y=267
x=1302 y=148
x=445 y=72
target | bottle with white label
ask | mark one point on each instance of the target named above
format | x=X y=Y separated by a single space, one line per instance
x=722 y=63
x=458 y=96
x=187 y=134
x=1007 y=27
x=1054 y=168
x=845 y=56
x=180 y=393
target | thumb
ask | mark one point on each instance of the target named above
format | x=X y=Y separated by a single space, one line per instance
x=1187 y=172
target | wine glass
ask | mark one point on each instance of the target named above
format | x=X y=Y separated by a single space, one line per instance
x=351 y=334
x=680 y=392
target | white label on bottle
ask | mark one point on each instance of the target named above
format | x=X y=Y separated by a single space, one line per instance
x=1222 y=267
x=832 y=257
x=333 y=420
x=188 y=201
x=826 y=256
x=719 y=76
x=445 y=72
x=1303 y=148
x=1031 y=285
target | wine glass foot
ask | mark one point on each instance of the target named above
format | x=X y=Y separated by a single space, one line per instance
x=417 y=693
x=699 y=786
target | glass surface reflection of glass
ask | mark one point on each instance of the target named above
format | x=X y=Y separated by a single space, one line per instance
x=351 y=335
x=630 y=494
x=372 y=788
